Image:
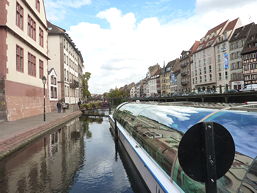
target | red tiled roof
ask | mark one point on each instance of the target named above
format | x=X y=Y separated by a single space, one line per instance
x=205 y=44
x=231 y=25
x=216 y=28
x=194 y=46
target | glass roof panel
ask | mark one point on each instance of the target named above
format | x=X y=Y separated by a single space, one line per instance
x=241 y=124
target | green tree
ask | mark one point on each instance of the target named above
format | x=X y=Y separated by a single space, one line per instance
x=84 y=89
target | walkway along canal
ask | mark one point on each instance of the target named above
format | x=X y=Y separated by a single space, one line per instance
x=79 y=156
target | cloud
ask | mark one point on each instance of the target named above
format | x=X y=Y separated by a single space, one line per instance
x=57 y=9
x=122 y=53
x=208 y=5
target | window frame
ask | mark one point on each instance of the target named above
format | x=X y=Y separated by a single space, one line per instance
x=38 y=5
x=19 y=16
x=19 y=58
x=31 y=65
x=31 y=28
x=41 y=37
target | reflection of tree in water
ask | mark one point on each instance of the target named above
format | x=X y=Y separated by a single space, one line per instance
x=85 y=123
x=86 y=130
x=91 y=119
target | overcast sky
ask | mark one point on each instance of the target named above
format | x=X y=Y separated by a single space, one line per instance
x=119 y=40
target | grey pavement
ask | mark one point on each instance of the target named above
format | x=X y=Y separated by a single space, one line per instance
x=13 y=128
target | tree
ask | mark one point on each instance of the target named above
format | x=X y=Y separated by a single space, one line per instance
x=84 y=88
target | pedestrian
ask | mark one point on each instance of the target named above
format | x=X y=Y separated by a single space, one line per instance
x=59 y=106
x=63 y=107
x=79 y=103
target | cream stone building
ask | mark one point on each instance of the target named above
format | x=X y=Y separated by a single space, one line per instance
x=222 y=55
x=133 y=92
x=67 y=62
x=165 y=80
x=203 y=69
x=23 y=58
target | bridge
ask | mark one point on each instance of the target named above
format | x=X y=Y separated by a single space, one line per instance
x=240 y=97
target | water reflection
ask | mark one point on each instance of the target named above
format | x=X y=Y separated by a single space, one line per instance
x=102 y=171
x=47 y=165
x=79 y=156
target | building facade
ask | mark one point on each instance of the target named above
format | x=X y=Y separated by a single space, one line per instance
x=67 y=62
x=175 y=76
x=221 y=47
x=165 y=80
x=154 y=84
x=236 y=45
x=249 y=57
x=133 y=92
x=203 y=69
x=185 y=65
x=23 y=58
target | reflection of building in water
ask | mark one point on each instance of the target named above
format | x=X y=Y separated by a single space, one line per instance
x=161 y=143
x=47 y=165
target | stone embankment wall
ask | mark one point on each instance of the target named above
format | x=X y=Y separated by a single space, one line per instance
x=2 y=102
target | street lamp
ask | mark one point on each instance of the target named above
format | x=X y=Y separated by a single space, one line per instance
x=44 y=83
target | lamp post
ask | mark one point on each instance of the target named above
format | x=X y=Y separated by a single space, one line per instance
x=44 y=83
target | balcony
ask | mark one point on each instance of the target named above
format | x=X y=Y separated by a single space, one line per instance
x=183 y=65
x=184 y=83
x=74 y=84
x=184 y=73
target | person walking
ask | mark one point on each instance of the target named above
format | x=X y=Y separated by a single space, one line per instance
x=79 y=103
x=63 y=105
x=59 y=106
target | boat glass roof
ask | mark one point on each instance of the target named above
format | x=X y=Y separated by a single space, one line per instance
x=241 y=124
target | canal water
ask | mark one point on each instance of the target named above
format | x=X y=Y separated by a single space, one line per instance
x=79 y=156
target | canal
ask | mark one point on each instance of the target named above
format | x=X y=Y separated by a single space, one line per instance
x=79 y=156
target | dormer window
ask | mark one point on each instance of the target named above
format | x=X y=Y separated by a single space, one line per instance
x=38 y=5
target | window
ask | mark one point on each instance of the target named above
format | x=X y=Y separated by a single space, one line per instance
x=41 y=37
x=233 y=66
x=31 y=28
x=226 y=75
x=31 y=65
x=219 y=76
x=53 y=80
x=38 y=5
x=19 y=59
x=239 y=66
x=53 y=92
x=218 y=58
x=41 y=69
x=231 y=46
x=19 y=16
x=210 y=69
x=231 y=56
x=210 y=77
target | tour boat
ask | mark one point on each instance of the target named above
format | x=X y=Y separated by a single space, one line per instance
x=151 y=133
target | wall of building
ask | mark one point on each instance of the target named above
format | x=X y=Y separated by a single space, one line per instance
x=224 y=79
x=23 y=77
x=23 y=92
x=236 y=66
x=201 y=59
x=54 y=54
x=24 y=100
x=11 y=23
